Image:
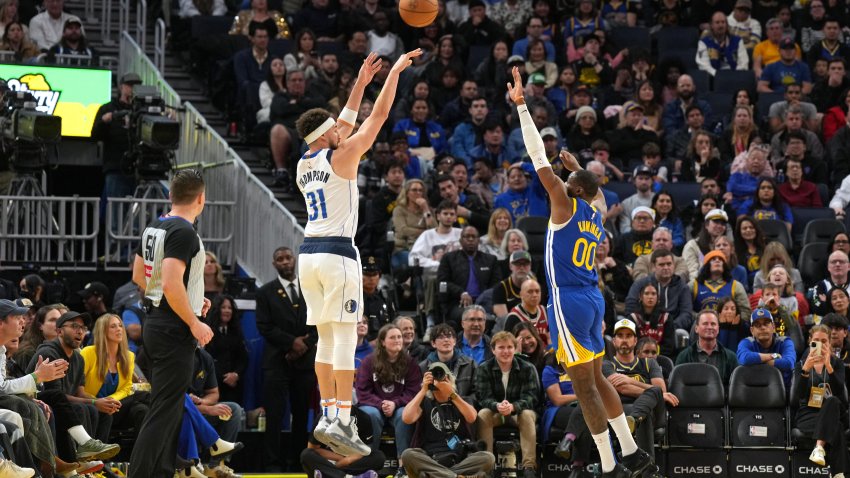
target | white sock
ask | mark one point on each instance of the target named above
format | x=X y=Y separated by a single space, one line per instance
x=329 y=408
x=606 y=451
x=621 y=429
x=79 y=434
x=344 y=414
x=221 y=446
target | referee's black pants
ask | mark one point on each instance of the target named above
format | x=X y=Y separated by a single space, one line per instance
x=170 y=347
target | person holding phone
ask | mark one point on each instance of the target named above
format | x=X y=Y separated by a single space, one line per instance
x=817 y=375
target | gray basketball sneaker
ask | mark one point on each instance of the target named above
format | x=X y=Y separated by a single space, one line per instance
x=320 y=432
x=345 y=440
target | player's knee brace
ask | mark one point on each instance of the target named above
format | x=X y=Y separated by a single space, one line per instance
x=325 y=346
x=345 y=344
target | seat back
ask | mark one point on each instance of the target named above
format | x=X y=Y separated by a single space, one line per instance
x=805 y=215
x=688 y=57
x=757 y=416
x=683 y=192
x=812 y=261
x=776 y=230
x=721 y=105
x=730 y=81
x=621 y=188
x=631 y=37
x=203 y=25
x=676 y=38
x=764 y=102
x=700 y=419
x=702 y=83
x=666 y=365
x=821 y=229
x=534 y=228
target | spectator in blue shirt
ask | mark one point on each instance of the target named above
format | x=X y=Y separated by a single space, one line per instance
x=523 y=199
x=744 y=184
x=493 y=147
x=788 y=70
x=421 y=131
x=468 y=134
x=765 y=347
x=473 y=343
x=534 y=30
x=767 y=204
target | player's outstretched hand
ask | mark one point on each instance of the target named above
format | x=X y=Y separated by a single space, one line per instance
x=515 y=90
x=406 y=60
x=570 y=161
x=371 y=65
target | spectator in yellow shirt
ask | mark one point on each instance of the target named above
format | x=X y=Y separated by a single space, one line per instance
x=767 y=51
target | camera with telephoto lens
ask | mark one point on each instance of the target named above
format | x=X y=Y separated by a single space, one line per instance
x=25 y=131
x=439 y=374
x=153 y=135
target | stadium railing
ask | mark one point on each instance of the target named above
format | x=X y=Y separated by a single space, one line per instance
x=260 y=223
x=55 y=230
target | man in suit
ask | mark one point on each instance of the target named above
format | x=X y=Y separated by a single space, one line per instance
x=287 y=360
x=467 y=273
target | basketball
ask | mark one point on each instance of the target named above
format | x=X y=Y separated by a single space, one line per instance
x=418 y=13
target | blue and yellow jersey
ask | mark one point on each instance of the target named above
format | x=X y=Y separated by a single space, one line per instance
x=571 y=247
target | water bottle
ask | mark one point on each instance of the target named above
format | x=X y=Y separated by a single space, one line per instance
x=261 y=422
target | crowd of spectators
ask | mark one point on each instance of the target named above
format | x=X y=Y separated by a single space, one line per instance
x=33 y=33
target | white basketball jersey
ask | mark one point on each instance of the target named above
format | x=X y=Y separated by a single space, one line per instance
x=332 y=201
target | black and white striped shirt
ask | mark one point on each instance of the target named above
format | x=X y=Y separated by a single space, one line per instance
x=173 y=237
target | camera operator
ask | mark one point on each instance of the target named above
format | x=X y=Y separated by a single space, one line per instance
x=111 y=126
x=446 y=450
x=6 y=151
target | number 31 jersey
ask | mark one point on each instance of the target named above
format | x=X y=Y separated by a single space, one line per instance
x=331 y=201
x=571 y=247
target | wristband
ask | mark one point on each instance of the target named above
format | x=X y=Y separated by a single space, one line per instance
x=348 y=115
x=34 y=377
x=92 y=401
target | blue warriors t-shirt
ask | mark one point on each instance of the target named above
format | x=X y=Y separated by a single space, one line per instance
x=571 y=248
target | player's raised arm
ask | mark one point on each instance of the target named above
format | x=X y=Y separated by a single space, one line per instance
x=347 y=156
x=348 y=115
x=561 y=204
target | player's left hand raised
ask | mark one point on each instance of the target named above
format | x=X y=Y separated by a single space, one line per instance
x=570 y=161
x=371 y=65
x=515 y=90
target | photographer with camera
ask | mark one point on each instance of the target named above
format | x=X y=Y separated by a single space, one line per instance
x=111 y=127
x=446 y=450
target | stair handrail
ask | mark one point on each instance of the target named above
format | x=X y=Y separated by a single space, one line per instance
x=261 y=223
x=159 y=33
x=142 y=24
x=106 y=23
x=133 y=59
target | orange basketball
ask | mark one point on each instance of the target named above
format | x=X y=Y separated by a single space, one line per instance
x=418 y=13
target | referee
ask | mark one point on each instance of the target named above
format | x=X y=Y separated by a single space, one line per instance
x=169 y=267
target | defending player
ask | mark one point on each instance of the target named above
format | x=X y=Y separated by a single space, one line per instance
x=576 y=307
x=329 y=267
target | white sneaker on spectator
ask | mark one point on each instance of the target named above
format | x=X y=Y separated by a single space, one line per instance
x=818 y=456
x=9 y=469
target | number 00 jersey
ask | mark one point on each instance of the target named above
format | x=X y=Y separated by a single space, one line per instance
x=571 y=247
x=173 y=237
x=331 y=201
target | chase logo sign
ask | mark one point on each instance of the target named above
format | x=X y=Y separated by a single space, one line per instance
x=46 y=99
